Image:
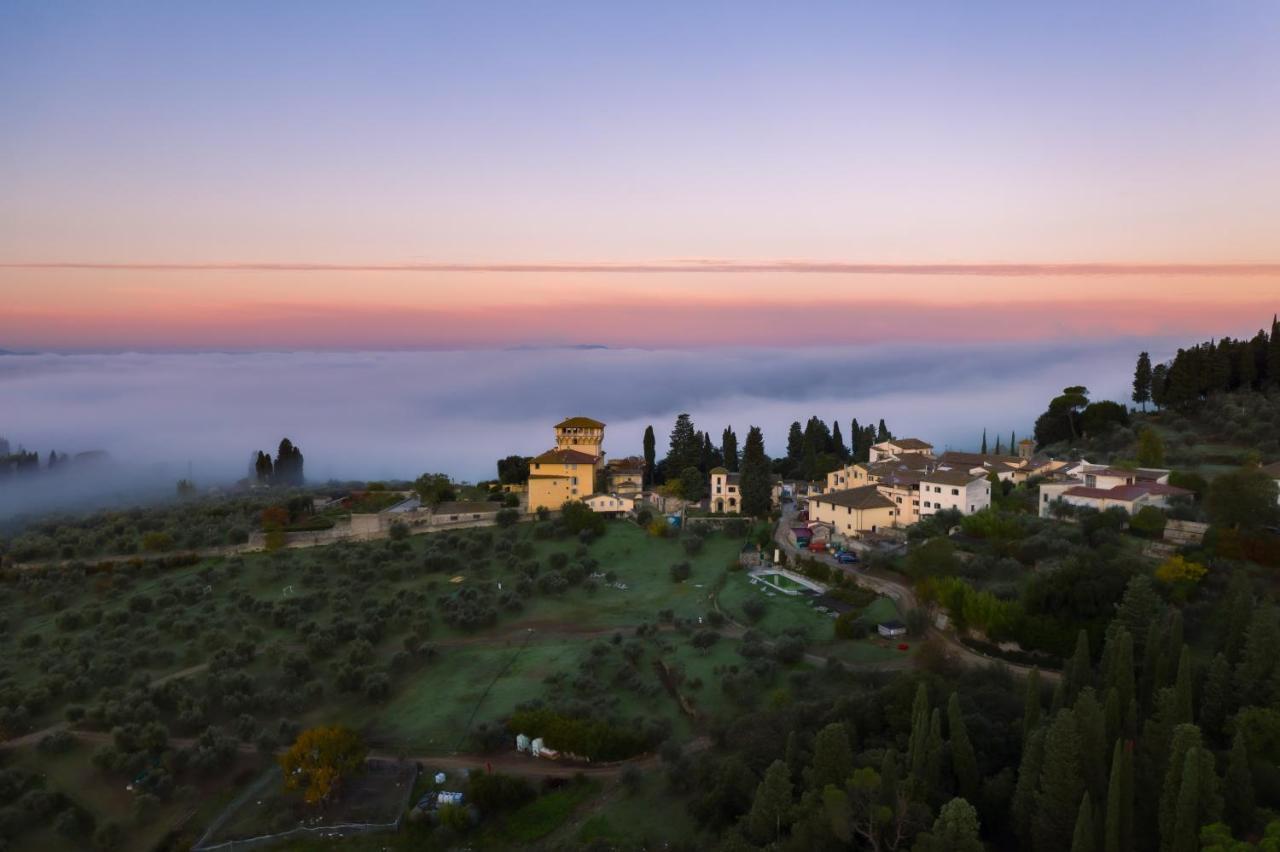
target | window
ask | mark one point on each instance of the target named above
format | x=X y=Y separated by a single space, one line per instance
x=955 y=491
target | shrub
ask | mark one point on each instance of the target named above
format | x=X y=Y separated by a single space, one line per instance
x=680 y=572
x=753 y=609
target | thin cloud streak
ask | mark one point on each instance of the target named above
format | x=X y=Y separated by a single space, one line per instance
x=691 y=266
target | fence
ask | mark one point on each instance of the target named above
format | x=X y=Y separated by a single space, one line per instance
x=209 y=841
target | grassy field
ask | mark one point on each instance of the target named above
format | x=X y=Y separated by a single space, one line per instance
x=625 y=818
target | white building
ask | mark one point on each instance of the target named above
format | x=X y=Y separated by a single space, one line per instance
x=899 y=447
x=1273 y=470
x=962 y=490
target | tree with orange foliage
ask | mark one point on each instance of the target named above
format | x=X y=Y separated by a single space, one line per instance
x=320 y=760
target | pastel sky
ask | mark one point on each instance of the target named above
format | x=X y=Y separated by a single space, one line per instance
x=476 y=174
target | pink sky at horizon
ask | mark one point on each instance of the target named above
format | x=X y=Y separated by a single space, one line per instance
x=653 y=305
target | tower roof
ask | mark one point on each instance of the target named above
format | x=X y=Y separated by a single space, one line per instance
x=580 y=422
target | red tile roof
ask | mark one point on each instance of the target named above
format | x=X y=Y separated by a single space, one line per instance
x=564 y=457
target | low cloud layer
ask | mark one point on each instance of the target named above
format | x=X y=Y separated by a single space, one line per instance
x=396 y=414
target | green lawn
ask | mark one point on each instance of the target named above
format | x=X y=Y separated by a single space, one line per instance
x=782 y=612
x=626 y=818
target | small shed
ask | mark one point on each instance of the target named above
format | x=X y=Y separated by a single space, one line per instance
x=522 y=743
x=802 y=536
x=891 y=629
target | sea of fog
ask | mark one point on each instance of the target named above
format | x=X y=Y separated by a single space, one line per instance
x=375 y=415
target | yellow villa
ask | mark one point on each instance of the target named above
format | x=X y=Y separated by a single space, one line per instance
x=567 y=472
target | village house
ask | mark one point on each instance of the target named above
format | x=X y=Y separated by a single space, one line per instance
x=1273 y=470
x=567 y=472
x=612 y=504
x=726 y=496
x=624 y=476
x=899 y=447
x=953 y=488
x=1095 y=486
x=854 y=512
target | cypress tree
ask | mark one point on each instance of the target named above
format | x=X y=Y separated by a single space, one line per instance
x=883 y=433
x=832 y=757
x=1013 y=443
x=919 y=730
x=1255 y=683
x=1119 y=827
x=1117 y=669
x=999 y=447
x=1240 y=810
x=1111 y=713
x=890 y=775
x=1092 y=725
x=1060 y=787
x=729 y=449
x=984 y=442
x=1138 y=609
x=1273 y=353
x=963 y=760
x=855 y=441
x=1031 y=704
x=1199 y=801
x=1182 y=688
x=650 y=455
x=1185 y=743
x=771 y=807
x=1079 y=671
x=1216 y=699
x=837 y=441
x=1237 y=604
x=755 y=482
x=1024 y=792
x=1082 y=839
x=1059 y=698
x=793 y=756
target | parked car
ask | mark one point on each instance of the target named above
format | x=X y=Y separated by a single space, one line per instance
x=846 y=557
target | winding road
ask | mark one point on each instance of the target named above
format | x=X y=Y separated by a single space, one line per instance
x=905 y=597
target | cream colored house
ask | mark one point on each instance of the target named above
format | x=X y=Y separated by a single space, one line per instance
x=854 y=512
x=899 y=447
x=725 y=494
x=1131 y=497
x=611 y=504
x=624 y=476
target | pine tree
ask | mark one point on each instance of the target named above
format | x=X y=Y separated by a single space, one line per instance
x=771 y=807
x=1060 y=787
x=1031 y=704
x=1138 y=609
x=963 y=760
x=650 y=455
x=1240 y=807
x=832 y=757
x=984 y=442
x=795 y=442
x=955 y=830
x=729 y=449
x=1142 y=381
x=1082 y=838
x=755 y=483
x=1119 y=827
x=684 y=449
x=1159 y=385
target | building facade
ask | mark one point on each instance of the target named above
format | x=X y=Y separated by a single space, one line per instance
x=725 y=495
x=569 y=471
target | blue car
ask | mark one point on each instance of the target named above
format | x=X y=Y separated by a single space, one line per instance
x=844 y=557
